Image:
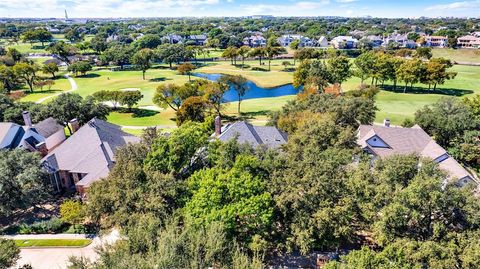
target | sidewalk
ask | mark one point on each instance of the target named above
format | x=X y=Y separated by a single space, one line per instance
x=57 y=258
x=49 y=236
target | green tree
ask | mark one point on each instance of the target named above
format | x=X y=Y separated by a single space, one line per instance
x=364 y=65
x=142 y=59
x=446 y=120
x=74 y=35
x=238 y=197
x=68 y=106
x=180 y=148
x=23 y=181
x=130 y=98
x=339 y=69
x=81 y=67
x=98 y=43
x=232 y=53
x=436 y=72
x=62 y=50
x=168 y=95
x=50 y=68
x=27 y=72
x=239 y=84
x=186 y=69
x=194 y=108
x=424 y=53
x=243 y=52
x=410 y=72
x=118 y=54
x=258 y=52
x=114 y=97
x=149 y=41
x=72 y=212
x=8 y=78
x=9 y=253
x=271 y=52
x=214 y=92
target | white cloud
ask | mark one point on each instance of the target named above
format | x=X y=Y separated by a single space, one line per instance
x=455 y=5
x=296 y=8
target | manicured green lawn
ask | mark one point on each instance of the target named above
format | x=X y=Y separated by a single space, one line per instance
x=394 y=105
x=117 y=80
x=53 y=242
x=458 y=55
x=61 y=84
x=262 y=78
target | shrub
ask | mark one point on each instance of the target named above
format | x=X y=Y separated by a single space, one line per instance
x=53 y=225
x=259 y=69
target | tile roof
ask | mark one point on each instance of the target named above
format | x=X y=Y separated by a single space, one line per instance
x=413 y=140
x=89 y=151
x=253 y=135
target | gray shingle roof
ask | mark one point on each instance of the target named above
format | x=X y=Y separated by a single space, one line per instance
x=89 y=151
x=254 y=135
x=48 y=127
x=402 y=141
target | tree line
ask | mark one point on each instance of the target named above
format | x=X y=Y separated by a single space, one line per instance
x=409 y=67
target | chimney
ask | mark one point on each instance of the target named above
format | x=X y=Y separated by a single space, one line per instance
x=386 y=122
x=74 y=125
x=27 y=119
x=218 y=125
x=42 y=148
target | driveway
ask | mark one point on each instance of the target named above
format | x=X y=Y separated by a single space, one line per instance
x=57 y=258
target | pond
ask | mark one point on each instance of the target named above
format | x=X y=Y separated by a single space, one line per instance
x=254 y=90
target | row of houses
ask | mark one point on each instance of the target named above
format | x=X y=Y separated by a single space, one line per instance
x=348 y=42
x=88 y=154
x=197 y=40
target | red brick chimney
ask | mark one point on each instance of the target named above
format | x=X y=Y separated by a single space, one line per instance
x=42 y=148
x=27 y=119
x=218 y=125
x=74 y=125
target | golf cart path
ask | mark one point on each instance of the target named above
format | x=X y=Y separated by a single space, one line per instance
x=73 y=87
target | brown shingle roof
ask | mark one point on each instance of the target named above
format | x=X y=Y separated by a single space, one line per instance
x=402 y=141
x=89 y=151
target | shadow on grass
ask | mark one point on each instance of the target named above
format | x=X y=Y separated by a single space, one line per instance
x=42 y=91
x=139 y=113
x=422 y=90
x=91 y=75
x=159 y=79
x=246 y=115
x=244 y=66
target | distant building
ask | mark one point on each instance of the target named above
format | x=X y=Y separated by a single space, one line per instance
x=344 y=42
x=197 y=40
x=400 y=39
x=385 y=141
x=468 y=42
x=86 y=156
x=322 y=42
x=376 y=40
x=254 y=41
x=286 y=40
x=172 y=39
x=436 y=41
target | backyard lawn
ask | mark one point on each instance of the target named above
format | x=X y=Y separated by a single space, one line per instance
x=53 y=242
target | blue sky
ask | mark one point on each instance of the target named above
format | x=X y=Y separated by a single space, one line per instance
x=177 y=8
